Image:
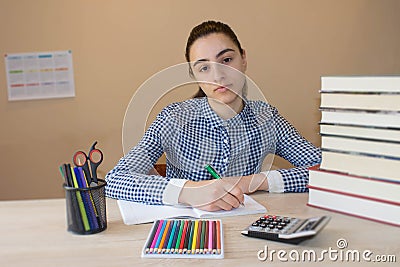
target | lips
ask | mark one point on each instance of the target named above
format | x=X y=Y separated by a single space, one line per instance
x=222 y=89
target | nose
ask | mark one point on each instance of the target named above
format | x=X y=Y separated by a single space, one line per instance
x=218 y=73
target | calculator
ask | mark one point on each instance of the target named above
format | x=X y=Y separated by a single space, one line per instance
x=285 y=229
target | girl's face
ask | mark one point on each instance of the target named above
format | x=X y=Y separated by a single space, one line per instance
x=219 y=67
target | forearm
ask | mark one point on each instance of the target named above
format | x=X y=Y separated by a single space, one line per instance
x=293 y=147
x=295 y=179
x=132 y=178
x=299 y=152
x=252 y=183
x=136 y=187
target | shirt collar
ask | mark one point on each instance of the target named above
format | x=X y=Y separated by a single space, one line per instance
x=216 y=121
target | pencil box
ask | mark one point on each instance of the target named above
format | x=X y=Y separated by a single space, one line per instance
x=183 y=238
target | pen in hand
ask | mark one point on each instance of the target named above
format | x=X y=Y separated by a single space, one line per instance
x=216 y=176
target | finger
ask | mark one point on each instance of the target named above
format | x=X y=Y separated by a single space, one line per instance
x=236 y=192
x=211 y=207
x=222 y=205
x=228 y=202
x=231 y=200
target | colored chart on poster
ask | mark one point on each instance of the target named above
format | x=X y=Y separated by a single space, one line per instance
x=39 y=75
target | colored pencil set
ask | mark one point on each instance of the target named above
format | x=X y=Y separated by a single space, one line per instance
x=185 y=239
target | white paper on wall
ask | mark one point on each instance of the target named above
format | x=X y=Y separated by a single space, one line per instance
x=39 y=75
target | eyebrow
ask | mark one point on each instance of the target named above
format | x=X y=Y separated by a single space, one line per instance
x=217 y=56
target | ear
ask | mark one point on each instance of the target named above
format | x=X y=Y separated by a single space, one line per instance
x=244 y=59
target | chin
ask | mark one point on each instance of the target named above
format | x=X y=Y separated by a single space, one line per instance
x=228 y=98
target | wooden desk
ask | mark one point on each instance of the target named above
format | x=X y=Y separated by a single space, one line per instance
x=33 y=233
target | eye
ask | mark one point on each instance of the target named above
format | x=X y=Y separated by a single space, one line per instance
x=202 y=68
x=227 y=60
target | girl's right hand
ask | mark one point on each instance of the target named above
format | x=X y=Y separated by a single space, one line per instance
x=211 y=195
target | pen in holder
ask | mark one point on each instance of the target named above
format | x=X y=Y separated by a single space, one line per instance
x=86 y=208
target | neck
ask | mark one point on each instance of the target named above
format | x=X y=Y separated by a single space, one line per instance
x=226 y=111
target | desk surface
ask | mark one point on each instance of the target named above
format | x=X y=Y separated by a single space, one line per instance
x=33 y=233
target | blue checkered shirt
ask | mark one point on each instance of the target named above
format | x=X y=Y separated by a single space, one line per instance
x=192 y=135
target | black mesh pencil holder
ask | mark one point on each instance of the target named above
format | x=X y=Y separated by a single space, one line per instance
x=86 y=209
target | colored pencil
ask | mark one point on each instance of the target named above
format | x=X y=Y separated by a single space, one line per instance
x=89 y=205
x=210 y=236
x=203 y=231
x=186 y=244
x=171 y=237
x=160 y=237
x=214 y=240
x=72 y=200
x=196 y=226
x=151 y=238
x=198 y=237
x=82 y=208
x=175 y=237
x=86 y=185
x=67 y=171
x=189 y=246
x=168 y=232
x=218 y=237
x=154 y=240
x=183 y=241
x=179 y=238
x=206 y=237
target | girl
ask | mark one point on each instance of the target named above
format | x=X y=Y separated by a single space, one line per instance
x=218 y=127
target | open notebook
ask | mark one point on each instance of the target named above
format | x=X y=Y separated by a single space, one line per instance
x=135 y=213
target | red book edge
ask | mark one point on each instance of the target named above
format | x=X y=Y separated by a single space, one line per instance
x=354 y=195
x=354 y=215
x=318 y=169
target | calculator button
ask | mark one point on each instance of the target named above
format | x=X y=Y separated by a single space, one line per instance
x=280 y=227
x=271 y=226
x=262 y=219
x=255 y=224
x=263 y=225
x=286 y=220
x=255 y=228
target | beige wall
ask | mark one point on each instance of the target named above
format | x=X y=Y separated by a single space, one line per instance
x=118 y=44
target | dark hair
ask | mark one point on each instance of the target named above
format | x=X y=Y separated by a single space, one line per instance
x=203 y=30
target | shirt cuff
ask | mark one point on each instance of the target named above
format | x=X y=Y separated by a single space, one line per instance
x=172 y=191
x=275 y=181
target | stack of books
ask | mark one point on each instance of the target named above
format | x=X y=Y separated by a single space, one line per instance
x=360 y=140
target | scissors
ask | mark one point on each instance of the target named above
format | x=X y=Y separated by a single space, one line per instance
x=82 y=160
